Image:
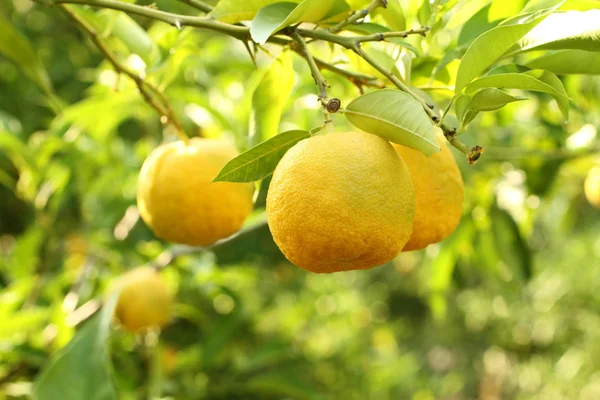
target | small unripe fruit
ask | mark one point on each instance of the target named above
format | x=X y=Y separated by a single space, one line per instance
x=144 y=300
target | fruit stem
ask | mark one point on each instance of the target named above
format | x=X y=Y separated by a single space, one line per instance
x=317 y=76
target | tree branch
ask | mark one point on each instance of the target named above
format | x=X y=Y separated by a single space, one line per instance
x=177 y=20
x=349 y=42
x=356 y=78
x=378 y=37
x=316 y=74
x=147 y=90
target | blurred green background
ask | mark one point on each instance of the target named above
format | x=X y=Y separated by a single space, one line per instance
x=508 y=307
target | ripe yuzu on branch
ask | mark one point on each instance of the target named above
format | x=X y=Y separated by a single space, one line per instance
x=341 y=201
x=439 y=193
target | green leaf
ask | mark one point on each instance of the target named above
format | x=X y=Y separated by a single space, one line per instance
x=440 y=270
x=424 y=14
x=475 y=26
x=469 y=116
x=23 y=322
x=581 y=5
x=501 y=10
x=85 y=357
x=447 y=59
x=17 y=48
x=461 y=106
x=132 y=35
x=358 y=4
x=392 y=15
x=123 y=27
x=490 y=99
x=283 y=385
x=464 y=11
x=535 y=80
x=487 y=48
x=568 y=62
x=261 y=160
x=572 y=30
x=511 y=247
x=24 y=258
x=395 y=116
x=233 y=11
x=275 y=17
x=117 y=107
x=552 y=80
x=270 y=98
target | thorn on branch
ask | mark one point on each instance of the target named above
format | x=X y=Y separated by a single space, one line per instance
x=431 y=106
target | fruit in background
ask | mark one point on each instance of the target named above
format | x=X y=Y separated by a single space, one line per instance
x=144 y=299
x=178 y=200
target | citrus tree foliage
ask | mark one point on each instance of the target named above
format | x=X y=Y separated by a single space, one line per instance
x=506 y=307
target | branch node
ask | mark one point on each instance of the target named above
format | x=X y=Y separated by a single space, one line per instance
x=334 y=105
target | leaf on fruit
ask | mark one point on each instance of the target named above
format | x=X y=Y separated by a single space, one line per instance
x=274 y=17
x=568 y=62
x=395 y=116
x=491 y=99
x=260 y=161
x=488 y=47
x=85 y=357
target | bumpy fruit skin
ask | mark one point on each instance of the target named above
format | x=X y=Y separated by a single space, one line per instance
x=439 y=194
x=339 y=202
x=178 y=200
x=144 y=300
x=592 y=187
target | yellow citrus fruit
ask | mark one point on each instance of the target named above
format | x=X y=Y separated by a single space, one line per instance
x=144 y=299
x=592 y=187
x=439 y=193
x=340 y=201
x=178 y=200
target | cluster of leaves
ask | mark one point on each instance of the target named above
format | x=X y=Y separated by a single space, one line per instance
x=507 y=307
